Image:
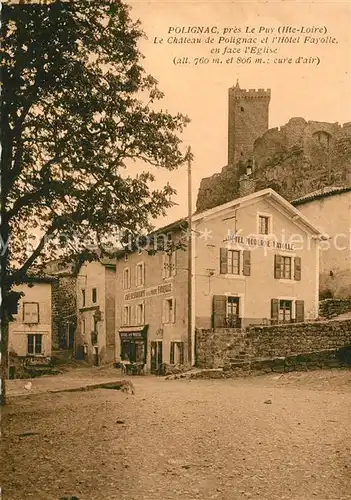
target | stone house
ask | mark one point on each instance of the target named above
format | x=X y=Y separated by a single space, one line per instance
x=64 y=305
x=151 y=301
x=255 y=260
x=30 y=334
x=95 y=292
x=329 y=209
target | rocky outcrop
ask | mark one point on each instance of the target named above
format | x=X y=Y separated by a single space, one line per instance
x=294 y=160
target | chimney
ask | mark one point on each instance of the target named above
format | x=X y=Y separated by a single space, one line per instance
x=247 y=184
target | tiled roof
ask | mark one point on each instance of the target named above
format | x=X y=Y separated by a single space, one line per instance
x=321 y=193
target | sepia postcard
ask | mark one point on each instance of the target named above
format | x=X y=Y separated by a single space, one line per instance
x=175 y=249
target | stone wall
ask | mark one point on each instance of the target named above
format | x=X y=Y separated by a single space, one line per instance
x=215 y=349
x=64 y=309
x=329 y=308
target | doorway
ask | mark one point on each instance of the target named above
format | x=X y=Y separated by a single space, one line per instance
x=226 y=311
x=96 y=356
x=156 y=356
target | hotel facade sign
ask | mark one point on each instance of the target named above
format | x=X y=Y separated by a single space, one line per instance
x=149 y=292
x=258 y=242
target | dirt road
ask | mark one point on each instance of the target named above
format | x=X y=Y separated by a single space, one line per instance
x=269 y=438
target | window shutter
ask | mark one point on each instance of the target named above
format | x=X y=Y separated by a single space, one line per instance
x=174 y=263
x=275 y=310
x=219 y=310
x=297 y=268
x=246 y=262
x=171 y=357
x=163 y=266
x=164 y=305
x=30 y=312
x=223 y=259
x=300 y=311
x=277 y=266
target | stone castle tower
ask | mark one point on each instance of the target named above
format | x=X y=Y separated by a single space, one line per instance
x=294 y=159
x=248 y=113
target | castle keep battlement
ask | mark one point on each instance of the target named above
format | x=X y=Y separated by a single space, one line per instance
x=239 y=93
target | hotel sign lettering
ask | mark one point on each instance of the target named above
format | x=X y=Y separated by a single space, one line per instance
x=149 y=292
x=258 y=242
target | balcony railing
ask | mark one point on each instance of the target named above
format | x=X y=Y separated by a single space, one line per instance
x=232 y=321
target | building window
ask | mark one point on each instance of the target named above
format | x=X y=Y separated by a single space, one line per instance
x=34 y=344
x=94 y=295
x=282 y=267
x=169 y=266
x=125 y=256
x=263 y=224
x=127 y=315
x=286 y=268
x=30 y=312
x=140 y=274
x=233 y=262
x=177 y=353
x=140 y=314
x=169 y=316
x=83 y=298
x=126 y=279
x=285 y=311
x=83 y=326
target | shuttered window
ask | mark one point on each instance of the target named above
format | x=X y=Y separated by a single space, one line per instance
x=233 y=266
x=263 y=224
x=230 y=262
x=34 y=344
x=140 y=274
x=282 y=267
x=285 y=311
x=126 y=279
x=169 y=264
x=30 y=312
x=140 y=314
x=169 y=311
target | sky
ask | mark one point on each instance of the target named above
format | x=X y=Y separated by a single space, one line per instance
x=316 y=92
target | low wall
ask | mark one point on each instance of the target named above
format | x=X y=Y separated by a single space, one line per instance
x=219 y=348
x=329 y=308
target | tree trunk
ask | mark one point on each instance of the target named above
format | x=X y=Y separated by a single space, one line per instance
x=4 y=371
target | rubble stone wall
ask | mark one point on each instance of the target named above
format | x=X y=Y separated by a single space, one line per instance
x=222 y=347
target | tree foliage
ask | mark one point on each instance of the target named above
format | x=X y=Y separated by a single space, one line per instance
x=77 y=106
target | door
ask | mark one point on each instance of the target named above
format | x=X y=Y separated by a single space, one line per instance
x=233 y=320
x=96 y=356
x=71 y=331
x=156 y=356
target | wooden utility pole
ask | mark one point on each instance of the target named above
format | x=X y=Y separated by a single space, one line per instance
x=190 y=262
